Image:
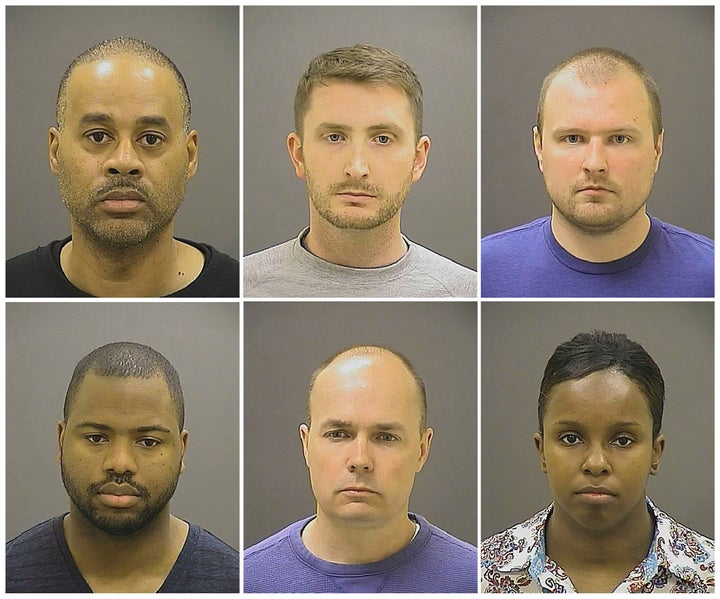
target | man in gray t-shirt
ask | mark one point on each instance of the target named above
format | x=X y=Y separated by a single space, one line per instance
x=358 y=145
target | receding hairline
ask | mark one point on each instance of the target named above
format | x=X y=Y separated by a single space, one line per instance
x=379 y=351
x=124 y=47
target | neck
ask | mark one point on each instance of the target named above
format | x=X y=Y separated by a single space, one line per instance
x=589 y=551
x=603 y=246
x=145 y=557
x=153 y=268
x=357 y=248
x=353 y=543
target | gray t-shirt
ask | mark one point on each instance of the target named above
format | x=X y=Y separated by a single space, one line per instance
x=289 y=270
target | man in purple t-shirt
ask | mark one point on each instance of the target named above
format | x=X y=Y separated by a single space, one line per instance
x=364 y=441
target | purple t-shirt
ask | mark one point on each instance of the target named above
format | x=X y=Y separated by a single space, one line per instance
x=433 y=562
x=527 y=261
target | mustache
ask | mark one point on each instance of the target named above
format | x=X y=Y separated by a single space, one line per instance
x=123 y=183
x=595 y=183
x=354 y=185
x=120 y=479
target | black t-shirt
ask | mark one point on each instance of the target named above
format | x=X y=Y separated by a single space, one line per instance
x=39 y=561
x=38 y=274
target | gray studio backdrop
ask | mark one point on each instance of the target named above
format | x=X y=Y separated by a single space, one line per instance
x=42 y=41
x=439 y=43
x=674 y=43
x=517 y=341
x=285 y=342
x=44 y=342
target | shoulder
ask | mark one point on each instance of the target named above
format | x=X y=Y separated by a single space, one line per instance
x=509 y=237
x=275 y=544
x=206 y=564
x=220 y=276
x=443 y=276
x=37 y=273
x=263 y=267
x=449 y=544
x=35 y=561
x=688 y=554
x=688 y=238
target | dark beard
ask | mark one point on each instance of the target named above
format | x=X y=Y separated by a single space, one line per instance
x=117 y=525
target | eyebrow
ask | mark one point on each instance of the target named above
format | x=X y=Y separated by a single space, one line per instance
x=576 y=424
x=381 y=426
x=325 y=126
x=94 y=118
x=571 y=130
x=149 y=428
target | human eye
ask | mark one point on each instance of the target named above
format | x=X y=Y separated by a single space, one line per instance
x=336 y=435
x=334 y=137
x=98 y=136
x=387 y=437
x=383 y=139
x=570 y=439
x=151 y=139
x=571 y=139
x=148 y=442
x=623 y=441
x=95 y=438
x=620 y=139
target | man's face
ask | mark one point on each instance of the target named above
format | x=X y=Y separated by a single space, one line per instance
x=122 y=157
x=598 y=450
x=358 y=154
x=597 y=151
x=364 y=445
x=121 y=452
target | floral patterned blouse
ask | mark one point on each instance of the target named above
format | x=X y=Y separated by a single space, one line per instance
x=679 y=560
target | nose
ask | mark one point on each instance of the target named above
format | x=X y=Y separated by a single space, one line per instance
x=119 y=458
x=360 y=458
x=356 y=166
x=596 y=461
x=595 y=158
x=124 y=160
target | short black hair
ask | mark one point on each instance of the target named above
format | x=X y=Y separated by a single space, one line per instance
x=127 y=360
x=373 y=350
x=592 y=352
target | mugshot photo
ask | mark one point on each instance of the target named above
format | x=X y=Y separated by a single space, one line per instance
x=597 y=170
x=608 y=416
x=407 y=146
x=122 y=447
x=343 y=455
x=131 y=165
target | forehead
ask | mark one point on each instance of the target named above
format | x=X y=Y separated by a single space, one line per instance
x=599 y=399
x=121 y=84
x=366 y=387
x=613 y=100
x=358 y=104
x=108 y=398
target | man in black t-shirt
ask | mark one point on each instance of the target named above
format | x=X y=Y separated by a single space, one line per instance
x=123 y=152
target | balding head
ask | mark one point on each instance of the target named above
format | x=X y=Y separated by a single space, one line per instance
x=360 y=365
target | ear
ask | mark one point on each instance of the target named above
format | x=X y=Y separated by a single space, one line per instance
x=659 y=149
x=297 y=156
x=425 y=443
x=422 y=149
x=537 y=145
x=304 y=434
x=61 y=428
x=658 y=448
x=53 y=144
x=191 y=143
x=183 y=448
x=540 y=446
